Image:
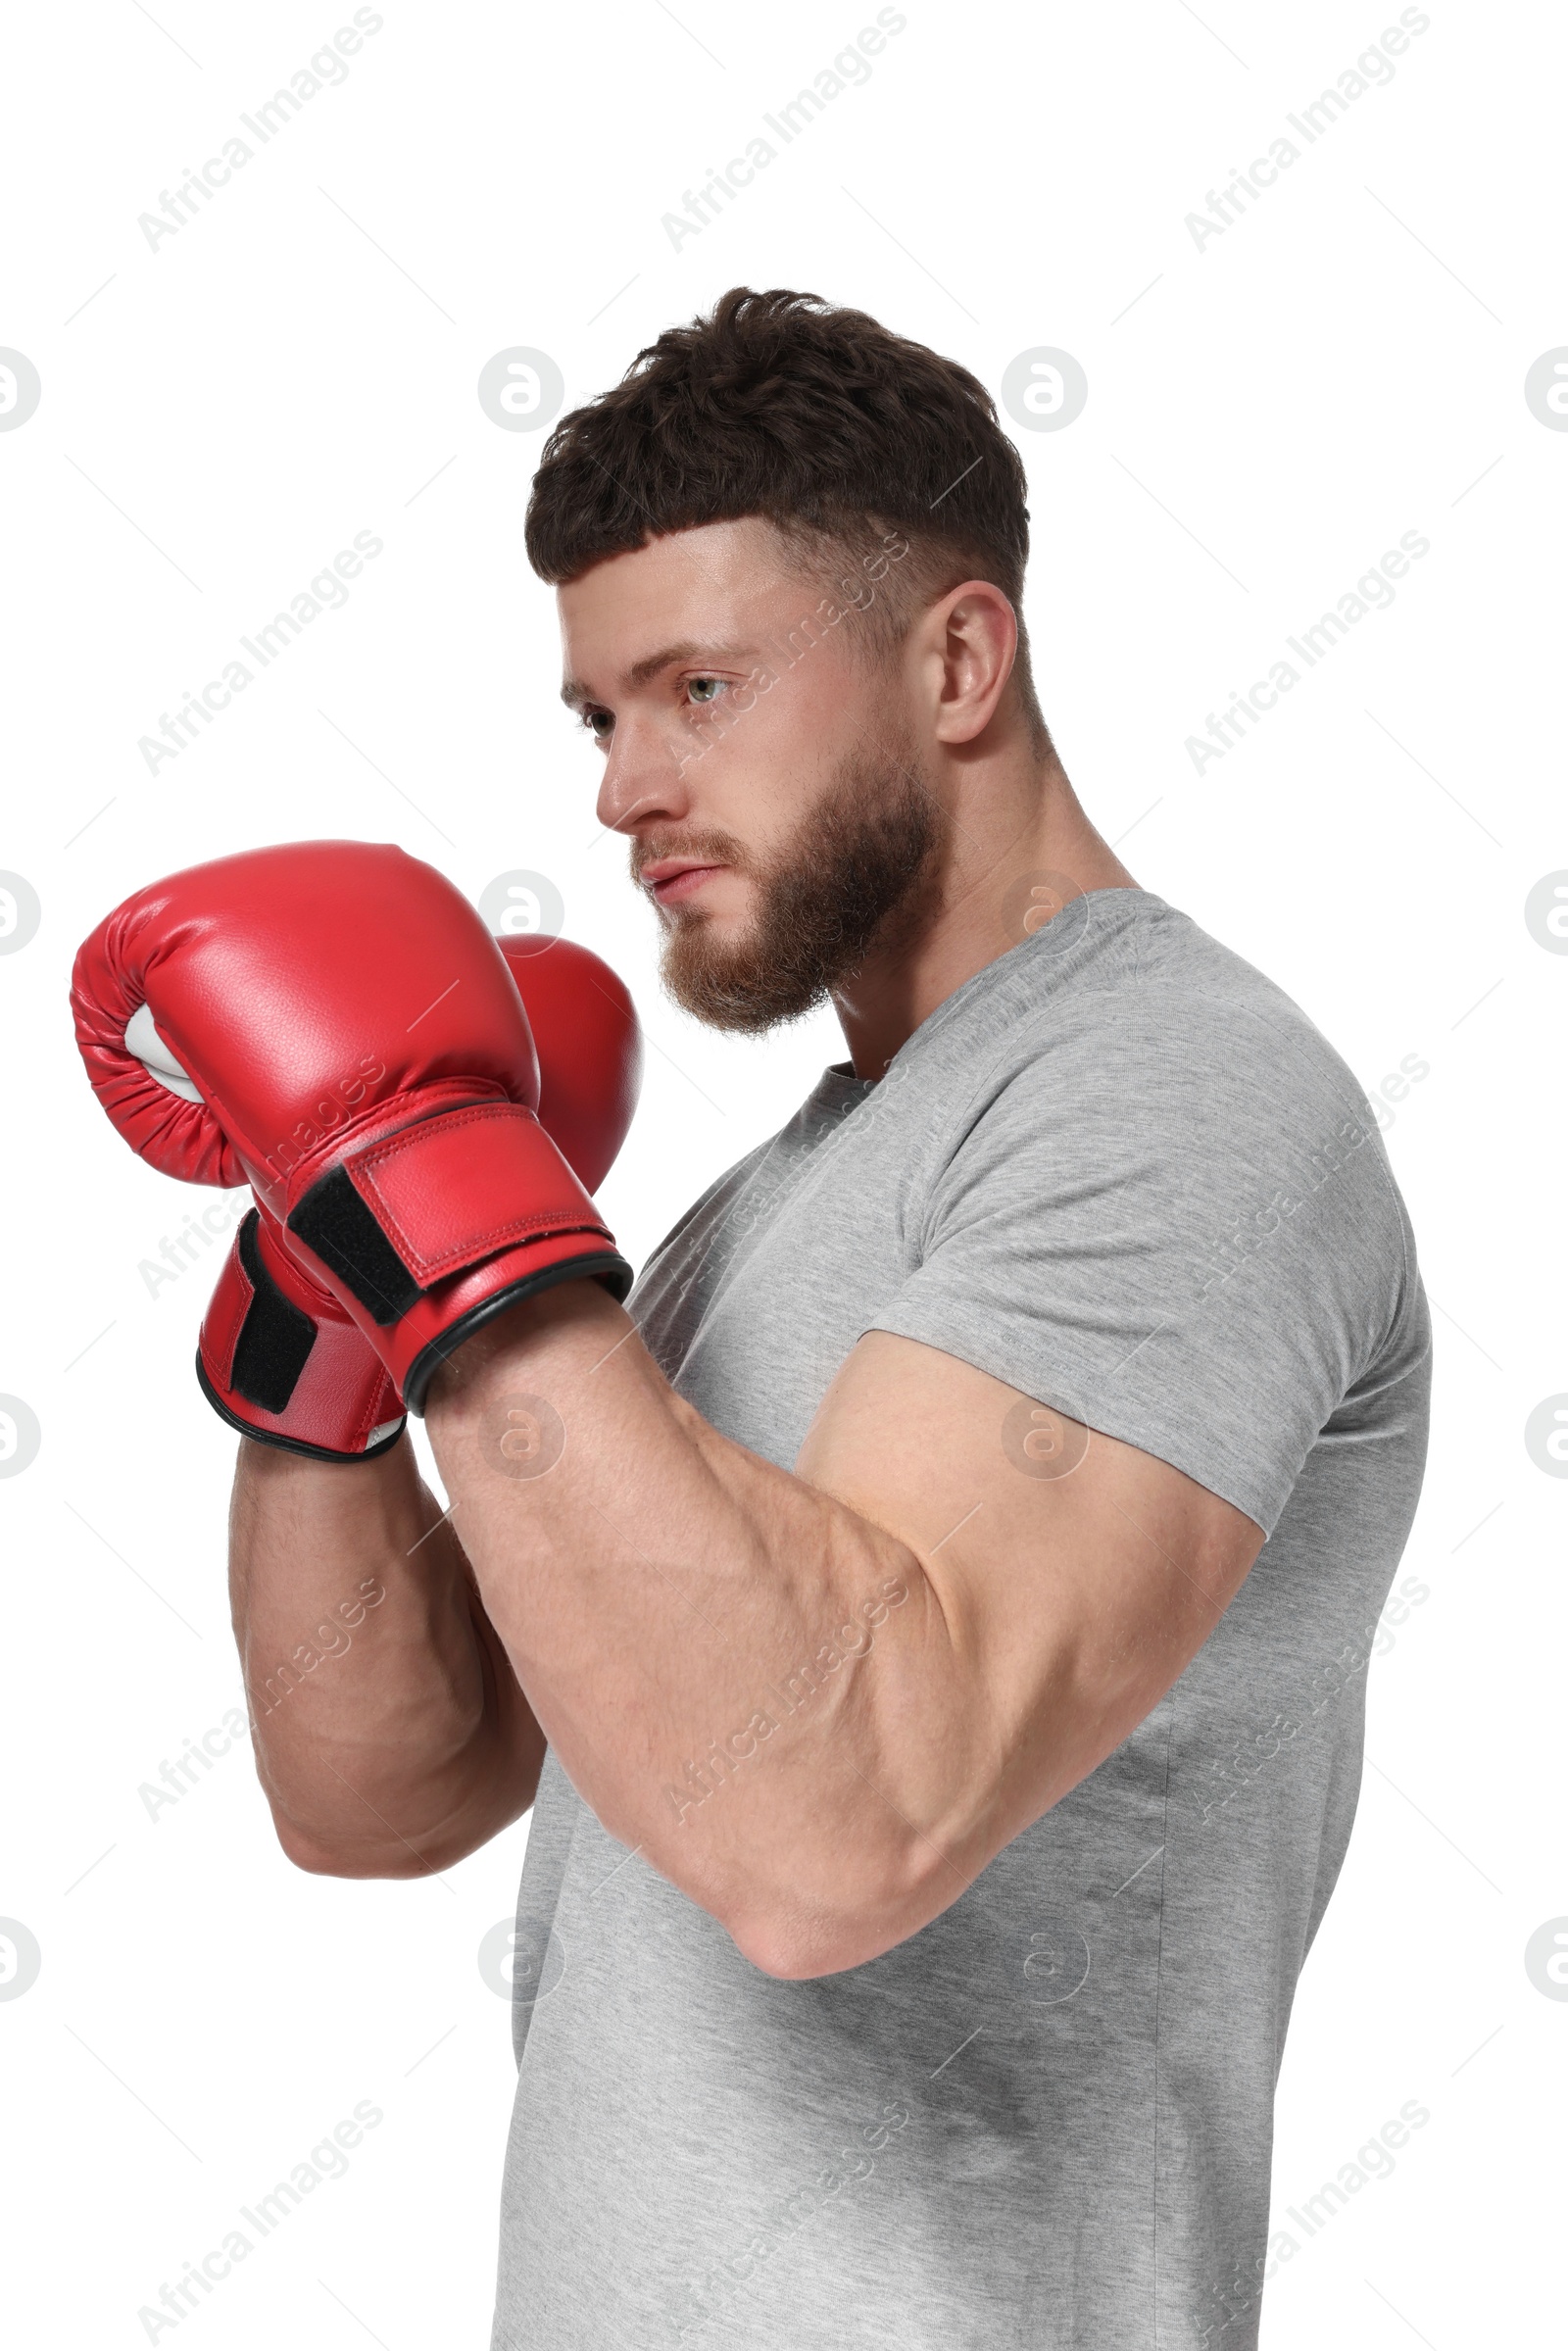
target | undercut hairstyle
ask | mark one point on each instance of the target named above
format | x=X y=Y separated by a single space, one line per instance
x=844 y=437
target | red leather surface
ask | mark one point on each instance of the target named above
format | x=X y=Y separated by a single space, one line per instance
x=309 y=991
x=454 y=1190
x=343 y=1393
x=590 y=1047
x=223 y=1321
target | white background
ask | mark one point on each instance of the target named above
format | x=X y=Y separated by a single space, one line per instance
x=1266 y=414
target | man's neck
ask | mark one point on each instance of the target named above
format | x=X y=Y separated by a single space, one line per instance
x=1015 y=822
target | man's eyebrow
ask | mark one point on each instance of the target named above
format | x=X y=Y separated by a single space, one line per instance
x=576 y=696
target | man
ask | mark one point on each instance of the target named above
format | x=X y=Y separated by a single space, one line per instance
x=928 y=1620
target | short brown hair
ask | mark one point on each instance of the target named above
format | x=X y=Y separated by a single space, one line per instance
x=817 y=420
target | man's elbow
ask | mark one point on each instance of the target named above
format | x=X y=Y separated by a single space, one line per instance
x=321 y=1859
x=797 y=1939
x=415 y=1828
x=791 y=1958
x=328 y=1856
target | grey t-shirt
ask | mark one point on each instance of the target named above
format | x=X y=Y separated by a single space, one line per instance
x=1119 y=1170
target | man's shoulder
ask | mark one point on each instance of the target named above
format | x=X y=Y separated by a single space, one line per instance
x=1133 y=1003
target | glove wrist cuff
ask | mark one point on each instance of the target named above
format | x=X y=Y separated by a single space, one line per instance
x=433 y=1198
x=286 y=1373
x=430 y=1231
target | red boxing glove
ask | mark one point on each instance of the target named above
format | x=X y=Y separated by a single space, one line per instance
x=279 y=1359
x=387 y=1124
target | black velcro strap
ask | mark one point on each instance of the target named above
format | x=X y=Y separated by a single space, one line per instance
x=335 y=1223
x=274 y=1339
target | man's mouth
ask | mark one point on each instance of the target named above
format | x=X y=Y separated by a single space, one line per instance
x=670 y=881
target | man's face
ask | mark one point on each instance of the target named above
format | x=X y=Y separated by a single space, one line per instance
x=763 y=766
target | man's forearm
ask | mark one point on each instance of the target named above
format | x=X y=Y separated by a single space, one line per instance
x=391 y=1737
x=749 y=1681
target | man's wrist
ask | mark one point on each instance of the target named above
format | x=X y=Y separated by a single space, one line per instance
x=565 y=1321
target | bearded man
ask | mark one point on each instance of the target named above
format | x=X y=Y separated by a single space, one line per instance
x=928 y=1617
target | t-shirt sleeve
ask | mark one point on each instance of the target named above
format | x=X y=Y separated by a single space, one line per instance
x=1180 y=1228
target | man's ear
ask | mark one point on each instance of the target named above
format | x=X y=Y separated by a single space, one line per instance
x=973 y=639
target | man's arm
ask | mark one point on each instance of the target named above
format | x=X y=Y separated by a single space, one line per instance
x=819 y=1702
x=391 y=1737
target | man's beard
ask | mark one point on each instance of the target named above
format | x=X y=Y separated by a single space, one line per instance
x=860 y=874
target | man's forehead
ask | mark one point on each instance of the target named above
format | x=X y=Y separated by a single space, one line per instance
x=704 y=594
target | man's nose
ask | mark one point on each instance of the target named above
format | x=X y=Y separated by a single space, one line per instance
x=644 y=781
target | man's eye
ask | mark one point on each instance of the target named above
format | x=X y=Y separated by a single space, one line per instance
x=597 y=723
x=704 y=691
